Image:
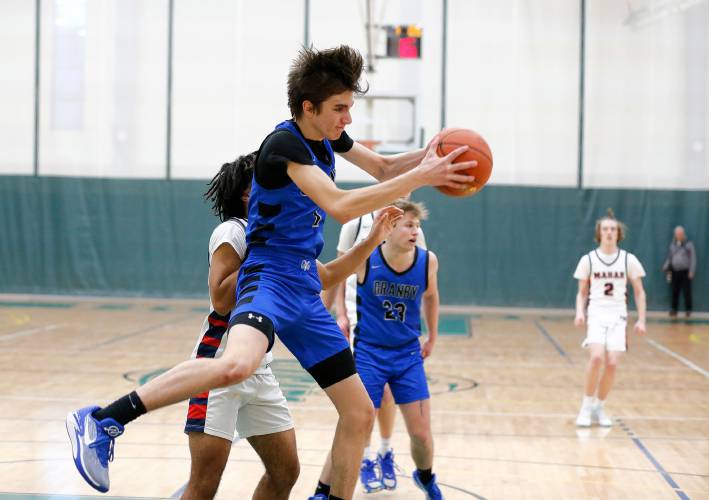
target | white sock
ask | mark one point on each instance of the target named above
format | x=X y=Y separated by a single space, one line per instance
x=384 y=446
x=587 y=402
x=369 y=454
x=599 y=403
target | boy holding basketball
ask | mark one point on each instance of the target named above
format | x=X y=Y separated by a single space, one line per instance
x=603 y=276
x=278 y=284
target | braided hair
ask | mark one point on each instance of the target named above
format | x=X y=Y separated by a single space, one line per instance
x=227 y=188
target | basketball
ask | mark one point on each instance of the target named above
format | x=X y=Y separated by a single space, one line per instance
x=452 y=138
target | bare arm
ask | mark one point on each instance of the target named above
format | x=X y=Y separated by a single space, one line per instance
x=223 y=271
x=339 y=269
x=640 y=303
x=581 y=301
x=431 y=304
x=383 y=167
x=344 y=205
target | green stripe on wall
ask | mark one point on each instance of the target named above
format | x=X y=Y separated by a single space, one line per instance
x=506 y=246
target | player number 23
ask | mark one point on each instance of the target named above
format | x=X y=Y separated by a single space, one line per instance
x=394 y=311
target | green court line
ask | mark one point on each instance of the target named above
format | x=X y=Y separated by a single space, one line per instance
x=451 y=325
x=115 y=307
x=161 y=308
x=681 y=321
x=569 y=318
x=54 y=305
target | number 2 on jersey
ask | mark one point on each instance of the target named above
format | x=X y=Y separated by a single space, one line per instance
x=608 y=289
x=395 y=311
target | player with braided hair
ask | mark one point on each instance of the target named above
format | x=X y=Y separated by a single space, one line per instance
x=279 y=283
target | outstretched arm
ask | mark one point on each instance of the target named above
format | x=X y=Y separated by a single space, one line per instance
x=344 y=205
x=383 y=167
x=339 y=269
x=641 y=304
x=431 y=304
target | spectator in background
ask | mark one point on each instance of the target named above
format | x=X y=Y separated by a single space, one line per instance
x=680 y=265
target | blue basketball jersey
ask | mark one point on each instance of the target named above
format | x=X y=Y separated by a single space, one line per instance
x=285 y=218
x=389 y=303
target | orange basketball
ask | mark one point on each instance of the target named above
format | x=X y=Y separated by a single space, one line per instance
x=452 y=138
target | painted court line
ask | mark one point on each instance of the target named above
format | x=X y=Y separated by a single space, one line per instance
x=296 y=407
x=553 y=341
x=655 y=463
x=682 y=359
x=152 y=328
x=32 y=331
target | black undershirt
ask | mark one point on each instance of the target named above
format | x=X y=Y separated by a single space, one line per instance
x=282 y=146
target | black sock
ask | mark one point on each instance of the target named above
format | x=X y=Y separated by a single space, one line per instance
x=333 y=497
x=425 y=475
x=323 y=489
x=123 y=410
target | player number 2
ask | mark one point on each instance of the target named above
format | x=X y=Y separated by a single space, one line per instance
x=393 y=312
x=608 y=289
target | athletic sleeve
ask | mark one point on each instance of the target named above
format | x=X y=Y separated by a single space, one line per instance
x=230 y=233
x=343 y=144
x=635 y=268
x=583 y=269
x=348 y=233
x=276 y=151
x=421 y=240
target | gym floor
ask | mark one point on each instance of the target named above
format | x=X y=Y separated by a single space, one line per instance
x=506 y=387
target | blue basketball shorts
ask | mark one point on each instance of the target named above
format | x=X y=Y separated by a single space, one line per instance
x=280 y=301
x=400 y=367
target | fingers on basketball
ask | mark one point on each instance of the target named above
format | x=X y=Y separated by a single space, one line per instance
x=471 y=161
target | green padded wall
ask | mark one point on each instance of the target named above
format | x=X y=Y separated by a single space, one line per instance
x=506 y=246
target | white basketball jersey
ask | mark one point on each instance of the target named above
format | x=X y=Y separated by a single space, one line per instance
x=363 y=228
x=231 y=232
x=609 y=284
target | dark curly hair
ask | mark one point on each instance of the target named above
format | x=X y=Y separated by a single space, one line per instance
x=229 y=185
x=316 y=75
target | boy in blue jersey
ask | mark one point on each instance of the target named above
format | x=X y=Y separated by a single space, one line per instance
x=397 y=282
x=278 y=284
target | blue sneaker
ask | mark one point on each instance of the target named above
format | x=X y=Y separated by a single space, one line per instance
x=92 y=445
x=433 y=492
x=318 y=496
x=368 y=476
x=386 y=466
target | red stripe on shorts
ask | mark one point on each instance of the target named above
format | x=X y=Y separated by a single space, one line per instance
x=211 y=341
x=217 y=322
x=197 y=411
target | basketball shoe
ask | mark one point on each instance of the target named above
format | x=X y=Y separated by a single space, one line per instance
x=386 y=466
x=433 y=492
x=598 y=415
x=368 y=476
x=92 y=445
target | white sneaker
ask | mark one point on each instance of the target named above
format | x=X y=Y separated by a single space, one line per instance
x=598 y=415
x=584 y=418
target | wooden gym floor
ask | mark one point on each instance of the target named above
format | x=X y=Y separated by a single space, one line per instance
x=506 y=388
